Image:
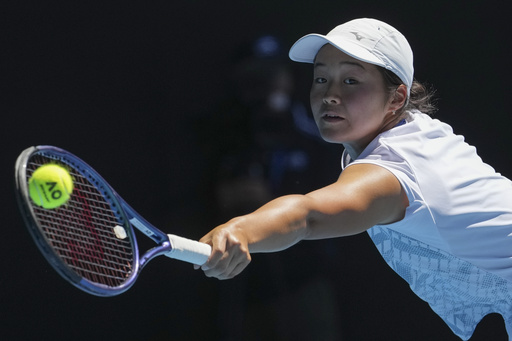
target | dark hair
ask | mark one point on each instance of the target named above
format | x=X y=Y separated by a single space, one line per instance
x=421 y=97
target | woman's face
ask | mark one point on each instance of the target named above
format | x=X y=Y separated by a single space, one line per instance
x=348 y=98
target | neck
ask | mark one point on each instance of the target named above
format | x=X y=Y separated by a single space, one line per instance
x=355 y=149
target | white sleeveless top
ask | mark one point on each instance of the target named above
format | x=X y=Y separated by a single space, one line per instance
x=454 y=245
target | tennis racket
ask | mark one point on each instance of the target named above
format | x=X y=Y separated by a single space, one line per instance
x=90 y=240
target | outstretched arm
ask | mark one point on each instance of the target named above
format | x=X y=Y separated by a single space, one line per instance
x=364 y=195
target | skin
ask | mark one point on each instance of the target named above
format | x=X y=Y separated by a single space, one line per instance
x=350 y=106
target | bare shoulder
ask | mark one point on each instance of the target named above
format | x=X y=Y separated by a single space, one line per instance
x=363 y=196
x=375 y=186
x=369 y=175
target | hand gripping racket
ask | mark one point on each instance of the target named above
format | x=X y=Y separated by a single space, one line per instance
x=90 y=240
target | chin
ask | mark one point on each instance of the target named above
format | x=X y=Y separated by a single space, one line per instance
x=331 y=138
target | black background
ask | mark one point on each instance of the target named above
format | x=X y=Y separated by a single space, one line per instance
x=122 y=85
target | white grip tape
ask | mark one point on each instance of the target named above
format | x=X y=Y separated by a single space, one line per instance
x=188 y=250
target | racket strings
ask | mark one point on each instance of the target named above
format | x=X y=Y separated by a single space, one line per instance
x=82 y=233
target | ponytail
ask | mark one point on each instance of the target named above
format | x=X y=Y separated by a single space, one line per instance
x=421 y=97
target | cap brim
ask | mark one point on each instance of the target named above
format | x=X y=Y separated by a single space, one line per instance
x=306 y=48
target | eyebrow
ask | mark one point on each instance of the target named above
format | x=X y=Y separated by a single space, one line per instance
x=341 y=63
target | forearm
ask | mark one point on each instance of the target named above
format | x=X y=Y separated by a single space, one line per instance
x=277 y=225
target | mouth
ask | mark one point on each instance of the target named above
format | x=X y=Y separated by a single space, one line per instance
x=332 y=117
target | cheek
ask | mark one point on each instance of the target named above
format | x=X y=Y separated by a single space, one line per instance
x=365 y=102
x=315 y=99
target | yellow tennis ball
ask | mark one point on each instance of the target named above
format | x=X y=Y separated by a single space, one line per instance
x=50 y=186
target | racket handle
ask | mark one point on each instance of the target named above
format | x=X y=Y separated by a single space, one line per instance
x=188 y=250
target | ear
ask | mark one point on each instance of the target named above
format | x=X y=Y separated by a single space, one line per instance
x=398 y=99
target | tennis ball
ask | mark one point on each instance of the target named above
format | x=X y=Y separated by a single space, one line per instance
x=50 y=186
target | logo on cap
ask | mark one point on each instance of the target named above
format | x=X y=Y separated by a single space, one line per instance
x=359 y=37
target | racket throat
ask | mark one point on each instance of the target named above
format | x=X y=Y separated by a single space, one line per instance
x=162 y=249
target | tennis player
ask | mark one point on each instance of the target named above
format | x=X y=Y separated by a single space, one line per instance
x=440 y=216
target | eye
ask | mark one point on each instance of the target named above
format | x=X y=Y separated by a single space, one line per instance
x=320 y=80
x=350 y=81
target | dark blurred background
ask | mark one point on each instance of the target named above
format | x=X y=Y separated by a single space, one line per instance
x=153 y=95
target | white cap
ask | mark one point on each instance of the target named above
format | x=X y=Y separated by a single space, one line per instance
x=369 y=40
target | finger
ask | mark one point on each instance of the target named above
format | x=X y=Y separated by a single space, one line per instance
x=216 y=268
x=213 y=261
x=218 y=250
x=230 y=265
x=238 y=269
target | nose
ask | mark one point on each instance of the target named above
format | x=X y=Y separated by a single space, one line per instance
x=331 y=95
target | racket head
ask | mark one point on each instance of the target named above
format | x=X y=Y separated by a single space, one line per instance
x=81 y=238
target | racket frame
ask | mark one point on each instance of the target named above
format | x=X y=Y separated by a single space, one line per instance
x=122 y=210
